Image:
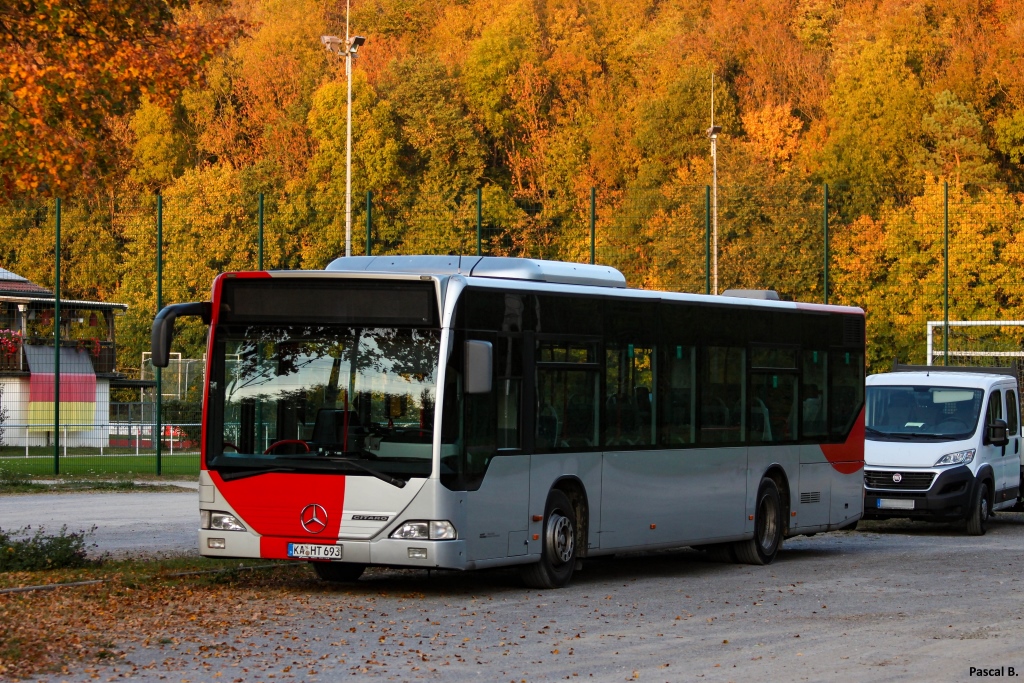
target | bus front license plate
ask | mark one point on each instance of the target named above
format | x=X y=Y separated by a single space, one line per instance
x=896 y=503
x=310 y=551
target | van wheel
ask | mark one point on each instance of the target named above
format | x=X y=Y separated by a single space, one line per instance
x=980 y=512
x=338 y=572
x=763 y=547
x=558 y=549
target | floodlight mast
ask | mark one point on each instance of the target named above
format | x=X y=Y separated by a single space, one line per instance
x=349 y=45
x=712 y=133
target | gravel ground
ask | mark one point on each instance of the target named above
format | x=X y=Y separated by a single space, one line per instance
x=894 y=601
x=126 y=523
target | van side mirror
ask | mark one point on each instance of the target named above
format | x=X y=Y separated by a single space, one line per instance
x=998 y=433
x=477 y=376
x=163 y=328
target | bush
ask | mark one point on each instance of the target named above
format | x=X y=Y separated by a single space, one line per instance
x=42 y=551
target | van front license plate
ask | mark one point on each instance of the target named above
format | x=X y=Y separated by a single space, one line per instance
x=310 y=551
x=896 y=503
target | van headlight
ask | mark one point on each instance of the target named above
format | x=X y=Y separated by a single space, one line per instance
x=220 y=521
x=958 y=458
x=425 y=530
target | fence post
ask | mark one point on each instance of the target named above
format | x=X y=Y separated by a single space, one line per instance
x=824 y=220
x=160 y=305
x=945 y=276
x=707 y=239
x=593 y=221
x=369 y=223
x=56 y=346
x=479 y=221
x=259 y=251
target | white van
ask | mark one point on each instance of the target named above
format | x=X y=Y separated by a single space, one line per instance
x=942 y=444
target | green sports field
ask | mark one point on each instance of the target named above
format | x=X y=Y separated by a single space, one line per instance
x=87 y=461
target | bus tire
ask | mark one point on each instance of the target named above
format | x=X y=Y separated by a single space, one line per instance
x=558 y=545
x=768 y=527
x=338 y=572
x=980 y=511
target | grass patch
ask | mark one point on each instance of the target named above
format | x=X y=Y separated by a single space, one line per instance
x=92 y=464
x=141 y=602
x=14 y=482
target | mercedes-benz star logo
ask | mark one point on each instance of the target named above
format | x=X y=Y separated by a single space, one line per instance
x=897 y=478
x=313 y=518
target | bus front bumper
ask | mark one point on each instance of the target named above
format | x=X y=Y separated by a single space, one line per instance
x=386 y=551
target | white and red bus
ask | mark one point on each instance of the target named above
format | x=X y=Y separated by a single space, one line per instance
x=470 y=412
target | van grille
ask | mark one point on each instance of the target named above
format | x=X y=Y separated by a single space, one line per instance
x=909 y=481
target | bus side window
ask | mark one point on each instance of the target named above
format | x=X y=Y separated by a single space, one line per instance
x=567 y=395
x=846 y=390
x=814 y=393
x=722 y=395
x=629 y=402
x=677 y=396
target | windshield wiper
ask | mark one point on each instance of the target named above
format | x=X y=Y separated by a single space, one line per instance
x=394 y=481
x=242 y=474
x=324 y=464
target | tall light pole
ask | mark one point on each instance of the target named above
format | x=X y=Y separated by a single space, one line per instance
x=350 y=45
x=712 y=133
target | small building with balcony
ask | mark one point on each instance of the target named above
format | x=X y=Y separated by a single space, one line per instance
x=88 y=365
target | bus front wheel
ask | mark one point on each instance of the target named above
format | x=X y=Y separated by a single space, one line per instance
x=558 y=549
x=763 y=547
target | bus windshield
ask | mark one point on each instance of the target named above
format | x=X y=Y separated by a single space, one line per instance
x=323 y=398
x=910 y=412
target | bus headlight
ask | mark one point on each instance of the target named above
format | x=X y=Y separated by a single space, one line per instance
x=220 y=521
x=958 y=458
x=426 y=530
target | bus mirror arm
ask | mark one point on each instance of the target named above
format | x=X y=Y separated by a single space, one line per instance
x=478 y=368
x=163 y=328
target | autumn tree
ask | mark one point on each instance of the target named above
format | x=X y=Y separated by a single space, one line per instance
x=72 y=65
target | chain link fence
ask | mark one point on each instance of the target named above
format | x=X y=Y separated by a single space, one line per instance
x=953 y=254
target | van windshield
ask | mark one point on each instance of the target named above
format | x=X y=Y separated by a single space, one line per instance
x=904 y=412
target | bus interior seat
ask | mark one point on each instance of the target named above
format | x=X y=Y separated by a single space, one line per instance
x=644 y=403
x=623 y=420
x=714 y=413
x=760 y=424
x=547 y=427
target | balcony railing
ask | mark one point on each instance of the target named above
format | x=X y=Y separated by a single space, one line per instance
x=103 y=354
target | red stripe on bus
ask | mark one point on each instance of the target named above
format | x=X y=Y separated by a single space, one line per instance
x=848 y=457
x=271 y=504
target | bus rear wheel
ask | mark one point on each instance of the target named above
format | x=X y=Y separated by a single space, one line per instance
x=764 y=546
x=558 y=549
x=338 y=572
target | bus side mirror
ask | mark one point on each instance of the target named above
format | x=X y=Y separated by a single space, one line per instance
x=477 y=376
x=998 y=433
x=163 y=328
